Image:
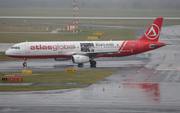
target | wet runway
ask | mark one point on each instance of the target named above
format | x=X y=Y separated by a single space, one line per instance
x=147 y=83
x=51 y=65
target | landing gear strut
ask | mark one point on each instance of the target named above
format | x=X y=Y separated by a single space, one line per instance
x=80 y=64
x=93 y=63
x=25 y=62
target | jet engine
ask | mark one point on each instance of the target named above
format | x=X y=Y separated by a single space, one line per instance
x=80 y=59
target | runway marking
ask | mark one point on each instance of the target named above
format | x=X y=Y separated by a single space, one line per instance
x=44 y=67
x=153 y=83
x=177 y=69
x=148 y=77
x=169 y=39
x=172 y=99
x=176 y=32
x=164 y=69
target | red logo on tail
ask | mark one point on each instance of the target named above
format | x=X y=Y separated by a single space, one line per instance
x=153 y=32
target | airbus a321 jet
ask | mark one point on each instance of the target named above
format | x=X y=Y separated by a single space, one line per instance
x=86 y=51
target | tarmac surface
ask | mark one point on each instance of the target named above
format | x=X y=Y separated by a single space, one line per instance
x=147 y=83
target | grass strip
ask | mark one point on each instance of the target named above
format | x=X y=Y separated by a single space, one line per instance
x=114 y=34
x=60 y=77
x=36 y=88
x=55 y=77
x=89 y=12
x=3 y=57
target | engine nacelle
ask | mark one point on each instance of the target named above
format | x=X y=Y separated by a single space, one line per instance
x=61 y=59
x=80 y=59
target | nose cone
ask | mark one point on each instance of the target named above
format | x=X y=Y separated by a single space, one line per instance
x=7 y=52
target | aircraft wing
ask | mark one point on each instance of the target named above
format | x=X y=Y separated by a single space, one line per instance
x=93 y=54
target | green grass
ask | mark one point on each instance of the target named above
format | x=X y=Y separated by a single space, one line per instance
x=114 y=34
x=85 y=12
x=36 y=88
x=129 y=13
x=102 y=12
x=80 y=77
x=4 y=57
x=137 y=23
x=36 y=11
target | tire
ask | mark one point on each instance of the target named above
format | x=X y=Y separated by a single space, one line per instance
x=24 y=64
x=80 y=65
x=93 y=63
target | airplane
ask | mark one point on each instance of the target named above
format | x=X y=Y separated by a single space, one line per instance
x=86 y=51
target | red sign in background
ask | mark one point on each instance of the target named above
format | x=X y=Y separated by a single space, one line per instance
x=14 y=79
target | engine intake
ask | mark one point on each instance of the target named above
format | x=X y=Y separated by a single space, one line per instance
x=80 y=59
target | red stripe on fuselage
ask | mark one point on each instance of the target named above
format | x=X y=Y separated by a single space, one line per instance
x=122 y=46
x=41 y=56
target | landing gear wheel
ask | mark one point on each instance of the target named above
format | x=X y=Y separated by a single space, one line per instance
x=24 y=64
x=93 y=63
x=80 y=64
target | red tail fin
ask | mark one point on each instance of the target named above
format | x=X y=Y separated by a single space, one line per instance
x=153 y=33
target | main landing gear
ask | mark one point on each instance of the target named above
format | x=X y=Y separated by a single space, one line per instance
x=80 y=64
x=92 y=63
x=25 y=62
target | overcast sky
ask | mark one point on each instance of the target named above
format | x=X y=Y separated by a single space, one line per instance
x=125 y=4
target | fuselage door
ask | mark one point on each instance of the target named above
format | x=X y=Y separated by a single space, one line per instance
x=140 y=46
x=60 y=49
x=27 y=48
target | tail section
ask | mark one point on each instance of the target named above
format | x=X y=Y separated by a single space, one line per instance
x=153 y=33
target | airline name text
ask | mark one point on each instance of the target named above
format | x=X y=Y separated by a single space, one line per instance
x=52 y=47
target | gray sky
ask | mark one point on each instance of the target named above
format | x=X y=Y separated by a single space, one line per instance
x=125 y=4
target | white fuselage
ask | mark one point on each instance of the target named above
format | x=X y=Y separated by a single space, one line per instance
x=55 y=49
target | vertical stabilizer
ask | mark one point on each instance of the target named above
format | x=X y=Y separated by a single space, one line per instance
x=153 y=33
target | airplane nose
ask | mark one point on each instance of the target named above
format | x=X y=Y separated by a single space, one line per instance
x=7 y=52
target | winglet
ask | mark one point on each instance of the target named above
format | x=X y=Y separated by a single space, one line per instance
x=153 y=33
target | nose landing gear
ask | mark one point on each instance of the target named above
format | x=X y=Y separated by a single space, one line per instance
x=25 y=62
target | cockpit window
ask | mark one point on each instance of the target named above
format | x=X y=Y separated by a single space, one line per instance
x=15 y=47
